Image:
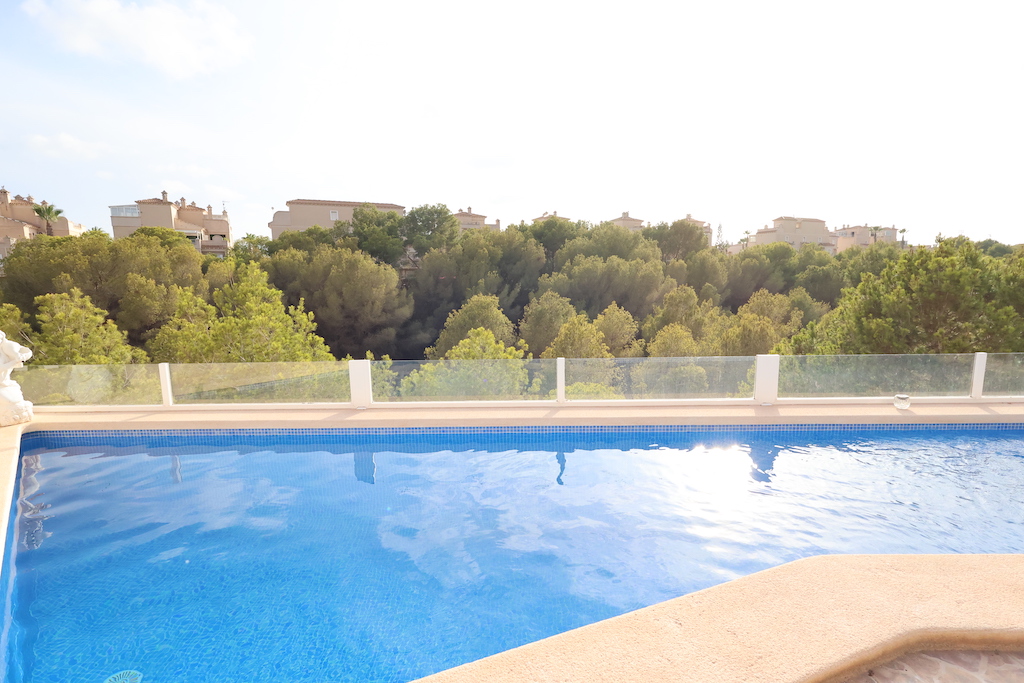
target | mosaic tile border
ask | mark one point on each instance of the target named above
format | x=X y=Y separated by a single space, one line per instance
x=550 y=429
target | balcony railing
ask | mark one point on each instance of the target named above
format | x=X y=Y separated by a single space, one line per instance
x=726 y=380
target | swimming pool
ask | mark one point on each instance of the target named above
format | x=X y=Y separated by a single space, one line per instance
x=388 y=554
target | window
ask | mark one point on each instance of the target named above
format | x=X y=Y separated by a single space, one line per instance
x=334 y=215
x=128 y=211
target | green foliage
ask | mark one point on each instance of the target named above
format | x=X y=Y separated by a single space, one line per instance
x=619 y=329
x=247 y=323
x=950 y=299
x=479 y=366
x=543 y=319
x=15 y=325
x=707 y=267
x=552 y=233
x=673 y=340
x=250 y=248
x=504 y=264
x=995 y=249
x=593 y=284
x=431 y=226
x=679 y=240
x=578 y=338
x=608 y=240
x=481 y=311
x=857 y=261
x=377 y=232
x=166 y=236
x=358 y=303
x=49 y=213
x=74 y=332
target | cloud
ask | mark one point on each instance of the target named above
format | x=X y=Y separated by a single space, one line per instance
x=182 y=41
x=65 y=146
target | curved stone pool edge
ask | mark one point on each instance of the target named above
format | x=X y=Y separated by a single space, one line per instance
x=818 y=620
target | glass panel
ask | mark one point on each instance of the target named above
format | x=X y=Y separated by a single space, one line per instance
x=876 y=375
x=463 y=380
x=1004 y=374
x=639 y=378
x=84 y=385
x=310 y=382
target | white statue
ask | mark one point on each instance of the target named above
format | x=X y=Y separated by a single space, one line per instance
x=14 y=409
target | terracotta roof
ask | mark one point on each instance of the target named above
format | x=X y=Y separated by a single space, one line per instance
x=325 y=202
x=151 y=201
x=193 y=208
x=467 y=213
x=797 y=218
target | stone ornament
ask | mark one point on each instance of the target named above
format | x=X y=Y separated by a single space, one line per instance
x=14 y=409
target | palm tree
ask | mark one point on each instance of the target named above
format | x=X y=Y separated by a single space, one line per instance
x=49 y=213
x=746 y=239
x=874 y=233
x=903 y=240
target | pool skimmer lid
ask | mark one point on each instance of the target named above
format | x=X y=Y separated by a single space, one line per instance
x=127 y=676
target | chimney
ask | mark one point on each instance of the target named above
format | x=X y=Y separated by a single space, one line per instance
x=625 y=214
x=164 y=195
x=497 y=224
x=469 y=209
x=5 y=196
x=555 y=214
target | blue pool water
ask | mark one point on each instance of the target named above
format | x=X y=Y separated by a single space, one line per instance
x=386 y=555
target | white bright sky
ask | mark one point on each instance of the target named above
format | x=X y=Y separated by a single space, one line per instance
x=905 y=113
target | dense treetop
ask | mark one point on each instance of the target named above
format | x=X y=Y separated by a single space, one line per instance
x=413 y=287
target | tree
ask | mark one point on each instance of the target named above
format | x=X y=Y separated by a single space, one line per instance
x=49 y=213
x=478 y=366
x=619 y=329
x=679 y=240
x=481 y=311
x=377 y=232
x=578 y=338
x=593 y=284
x=431 y=226
x=542 y=320
x=250 y=248
x=359 y=303
x=552 y=233
x=72 y=331
x=951 y=299
x=608 y=240
x=247 y=323
x=673 y=340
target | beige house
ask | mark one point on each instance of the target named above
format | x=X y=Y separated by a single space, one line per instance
x=209 y=232
x=863 y=236
x=541 y=219
x=475 y=221
x=627 y=222
x=797 y=232
x=18 y=221
x=305 y=213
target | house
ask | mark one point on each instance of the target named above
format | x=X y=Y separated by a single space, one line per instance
x=545 y=216
x=705 y=226
x=475 y=221
x=210 y=233
x=305 y=213
x=18 y=221
x=627 y=222
x=797 y=232
x=863 y=236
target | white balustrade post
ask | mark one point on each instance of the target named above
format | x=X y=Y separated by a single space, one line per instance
x=360 y=383
x=766 y=379
x=978 y=375
x=166 y=390
x=560 y=380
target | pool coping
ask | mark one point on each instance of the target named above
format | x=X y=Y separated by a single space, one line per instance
x=841 y=614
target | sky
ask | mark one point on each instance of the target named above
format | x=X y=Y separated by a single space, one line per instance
x=880 y=113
